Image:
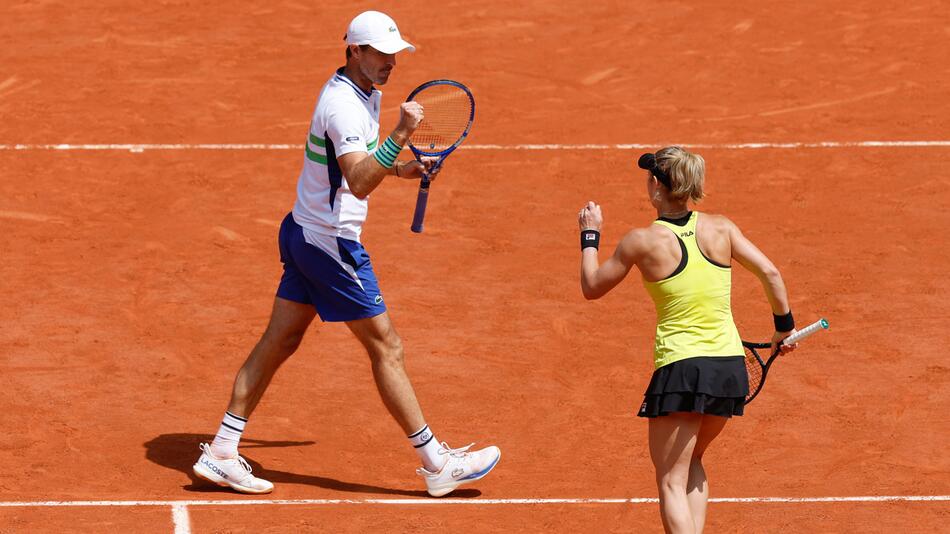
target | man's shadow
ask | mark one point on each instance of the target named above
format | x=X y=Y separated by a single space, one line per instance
x=180 y=451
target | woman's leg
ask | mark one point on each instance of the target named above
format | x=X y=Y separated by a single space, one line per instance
x=697 y=490
x=672 y=440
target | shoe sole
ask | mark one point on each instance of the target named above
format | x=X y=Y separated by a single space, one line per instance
x=202 y=473
x=441 y=492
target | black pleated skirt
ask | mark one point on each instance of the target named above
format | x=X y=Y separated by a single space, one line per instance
x=704 y=384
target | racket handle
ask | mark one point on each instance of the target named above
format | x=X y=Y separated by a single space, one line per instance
x=421 y=202
x=818 y=325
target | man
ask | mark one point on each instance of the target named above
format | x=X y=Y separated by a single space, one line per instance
x=327 y=271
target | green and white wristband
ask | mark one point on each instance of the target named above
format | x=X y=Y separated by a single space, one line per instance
x=387 y=153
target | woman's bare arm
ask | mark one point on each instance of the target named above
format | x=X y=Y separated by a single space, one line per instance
x=598 y=279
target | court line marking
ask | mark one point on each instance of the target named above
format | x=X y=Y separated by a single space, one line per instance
x=182 y=504
x=180 y=519
x=142 y=147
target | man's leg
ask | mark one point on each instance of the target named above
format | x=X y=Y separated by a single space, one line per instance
x=444 y=469
x=288 y=323
x=220 y=462
x=384 y=346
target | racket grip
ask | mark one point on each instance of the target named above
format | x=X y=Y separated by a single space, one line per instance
x=421 y=202
x=818 y=325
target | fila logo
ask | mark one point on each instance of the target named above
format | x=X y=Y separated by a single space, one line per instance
x=458 y=472
x=379 y=298
x=686 y=234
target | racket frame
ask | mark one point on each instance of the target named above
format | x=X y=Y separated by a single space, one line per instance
x=423 y=198
x=817 y=326
x=765 y=364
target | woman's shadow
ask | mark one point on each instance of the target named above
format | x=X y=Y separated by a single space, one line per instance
x=180 y=451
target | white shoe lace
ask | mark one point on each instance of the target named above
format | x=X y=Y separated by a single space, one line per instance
x=460 y=452
x=246 y=466
x=205 y=448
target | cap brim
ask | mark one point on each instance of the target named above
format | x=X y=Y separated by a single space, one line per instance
x=392 y=46
x=647 y=161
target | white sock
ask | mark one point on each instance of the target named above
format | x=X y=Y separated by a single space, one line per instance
x=427 y=447
x=225 y=444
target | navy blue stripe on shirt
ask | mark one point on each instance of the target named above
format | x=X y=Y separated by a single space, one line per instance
x=333 y=170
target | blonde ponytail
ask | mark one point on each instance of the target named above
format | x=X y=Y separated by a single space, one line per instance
x=687 y=172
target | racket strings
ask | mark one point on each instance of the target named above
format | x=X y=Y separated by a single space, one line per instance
x=448 y=112
x=754 y=369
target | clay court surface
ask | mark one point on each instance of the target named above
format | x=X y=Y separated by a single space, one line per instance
x=133 y=283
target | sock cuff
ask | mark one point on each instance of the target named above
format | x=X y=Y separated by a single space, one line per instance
x=233 y=422
x=420 y=431
x=422 y=437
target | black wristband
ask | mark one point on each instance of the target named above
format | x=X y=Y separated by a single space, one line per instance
x=590 y=238
x=784 y=323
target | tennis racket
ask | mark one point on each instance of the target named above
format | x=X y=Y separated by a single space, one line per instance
x=758 y=368
x=449 y=109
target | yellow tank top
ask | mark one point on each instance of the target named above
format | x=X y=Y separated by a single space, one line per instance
x=693 y=308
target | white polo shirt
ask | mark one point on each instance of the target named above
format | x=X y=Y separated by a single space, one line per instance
x=346 y=120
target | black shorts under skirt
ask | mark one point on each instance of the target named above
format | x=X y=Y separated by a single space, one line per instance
x=706 y=385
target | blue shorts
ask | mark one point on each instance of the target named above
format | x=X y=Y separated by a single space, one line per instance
x=338 y=282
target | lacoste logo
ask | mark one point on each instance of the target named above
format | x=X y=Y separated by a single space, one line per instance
x=458 y=472
x=392 y=29
x=214 y=468
x=686 y=234
x=379 y=298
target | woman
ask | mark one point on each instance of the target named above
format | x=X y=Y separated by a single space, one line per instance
x=700 y=381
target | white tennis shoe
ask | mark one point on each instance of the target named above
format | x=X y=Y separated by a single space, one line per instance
x=232 y=472
x=461 y=467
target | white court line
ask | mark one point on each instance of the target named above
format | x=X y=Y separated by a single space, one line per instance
x=316 y=502
x=137 y=147
x=180 y=519
x=729 y=146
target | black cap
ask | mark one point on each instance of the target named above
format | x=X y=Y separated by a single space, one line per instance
x=648 y=161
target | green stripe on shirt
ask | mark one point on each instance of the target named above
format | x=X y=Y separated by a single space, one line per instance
x=322 y=143
x=313 y=156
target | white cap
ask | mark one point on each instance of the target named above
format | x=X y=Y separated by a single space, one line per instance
x=377 y=30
